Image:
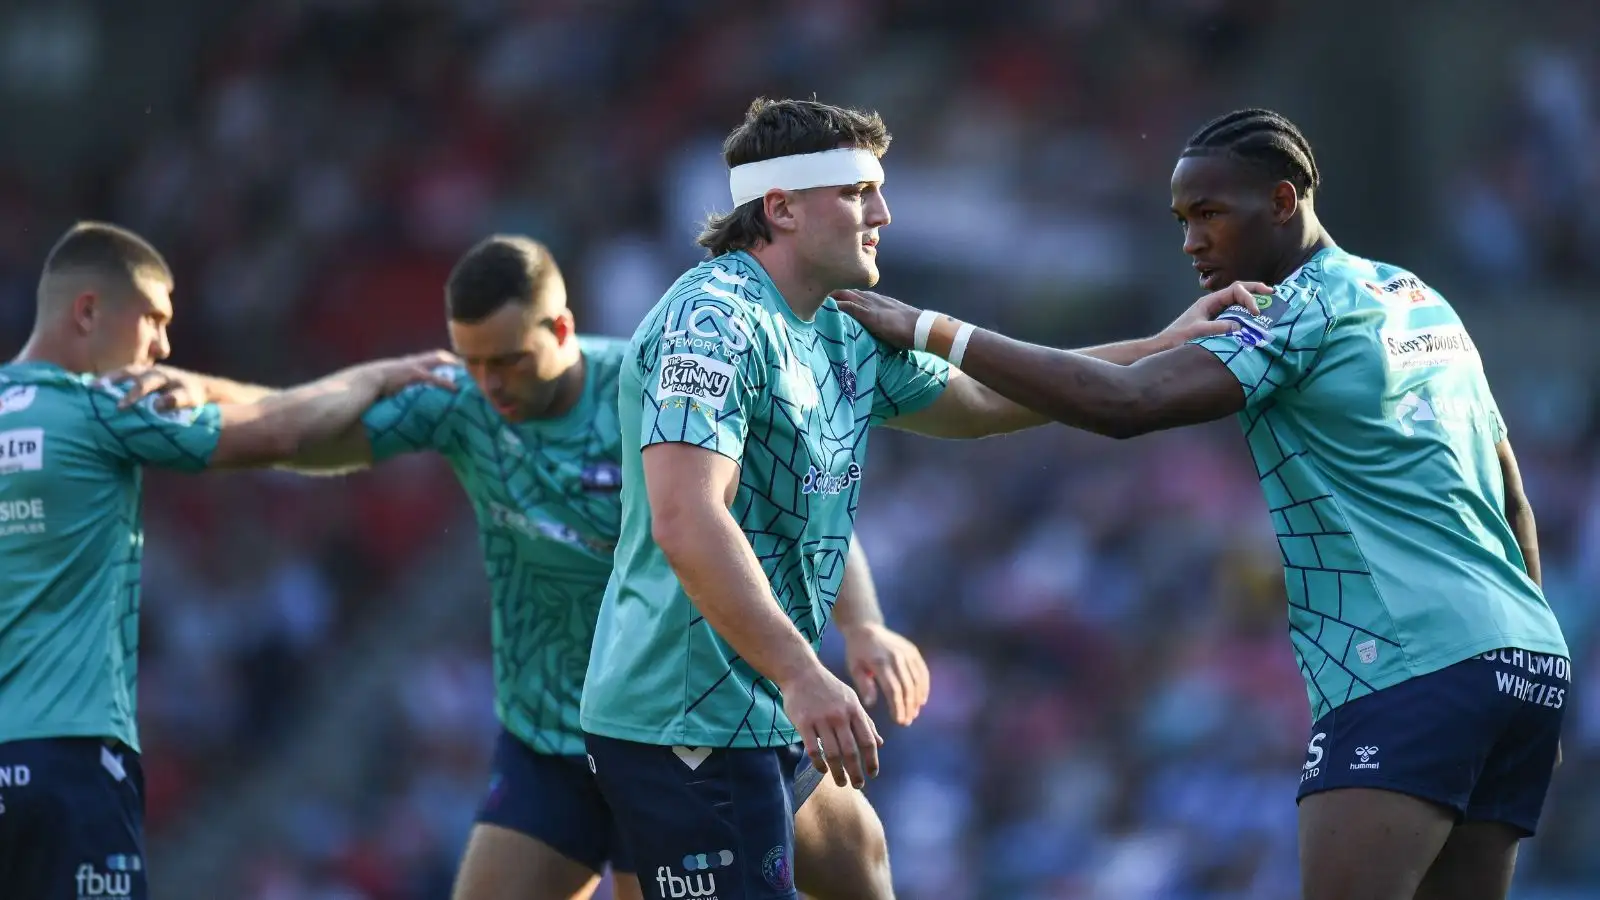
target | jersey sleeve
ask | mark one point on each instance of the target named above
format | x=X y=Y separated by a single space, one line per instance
x=704 y=378
x=181 y=439
x=1279 y=349
x=412 y=420
x=908 y=380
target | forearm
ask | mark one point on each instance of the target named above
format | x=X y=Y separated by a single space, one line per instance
x=857 y=603
x=723 y=578
x=222 y=390
x=1073 y=388
x=350 y=451
x=286 y=424
x=1523 y=526
x=1124 y=353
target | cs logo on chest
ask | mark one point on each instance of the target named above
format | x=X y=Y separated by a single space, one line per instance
x=602 y=476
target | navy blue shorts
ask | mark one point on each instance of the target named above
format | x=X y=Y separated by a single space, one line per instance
x=554 y=800
x=1480 y=737
x=703 y=822
x=71 y=820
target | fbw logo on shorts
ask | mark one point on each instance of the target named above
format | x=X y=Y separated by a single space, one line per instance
x=116 y=881
x=699 y=880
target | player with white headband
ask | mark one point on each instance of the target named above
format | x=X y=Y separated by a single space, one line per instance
x=746 y=401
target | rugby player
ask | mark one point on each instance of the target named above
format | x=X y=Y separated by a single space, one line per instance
x=1436 y=673
x=746 y=402
x=72 y=539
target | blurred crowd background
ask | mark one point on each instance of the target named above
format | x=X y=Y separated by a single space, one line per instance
x=1116 y=712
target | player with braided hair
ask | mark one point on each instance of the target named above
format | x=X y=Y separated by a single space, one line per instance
x=1436 y=673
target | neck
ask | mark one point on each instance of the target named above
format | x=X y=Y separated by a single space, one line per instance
x=804 y=294
x=1312 y=239
x=43 y=347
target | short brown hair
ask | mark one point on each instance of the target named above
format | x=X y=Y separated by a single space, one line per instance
x=103 y=248
x=500 y=269
x=774 y=128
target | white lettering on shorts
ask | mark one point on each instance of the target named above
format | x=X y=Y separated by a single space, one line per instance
x=1547 y=686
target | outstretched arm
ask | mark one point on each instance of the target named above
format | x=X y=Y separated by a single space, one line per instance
x=303 y=425
x=1120 y=390
x=406 y=426
x=241 y=435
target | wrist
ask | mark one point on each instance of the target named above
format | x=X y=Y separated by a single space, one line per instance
x=798 y=670
x=944 y=336
x=852 y=630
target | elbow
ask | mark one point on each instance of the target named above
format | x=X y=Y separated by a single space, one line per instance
x=673 y=528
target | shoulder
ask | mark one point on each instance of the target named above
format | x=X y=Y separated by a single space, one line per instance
x=431 y=400
x=1346 y=283
x=714 y=310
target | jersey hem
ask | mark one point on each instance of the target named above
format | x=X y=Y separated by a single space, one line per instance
x=1444 y=659
x=666 y=738
x=69 y=730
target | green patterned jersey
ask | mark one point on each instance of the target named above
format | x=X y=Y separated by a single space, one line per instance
x=71 y=543
x=723 y=363
x=545 y=493
x=1374 y=434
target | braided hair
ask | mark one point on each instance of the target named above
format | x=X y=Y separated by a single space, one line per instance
x=1263 y=139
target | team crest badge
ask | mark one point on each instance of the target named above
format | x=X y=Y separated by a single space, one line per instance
x=847 y=380
x=775 y=869
x=602 y=476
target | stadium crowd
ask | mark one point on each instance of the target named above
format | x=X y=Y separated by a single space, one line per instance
x=1116 y=711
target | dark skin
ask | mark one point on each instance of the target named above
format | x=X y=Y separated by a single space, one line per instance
x=1244 y=230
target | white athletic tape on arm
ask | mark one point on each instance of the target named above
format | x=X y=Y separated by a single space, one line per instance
x=919 y=338
x=828 y=168
x=958 y=348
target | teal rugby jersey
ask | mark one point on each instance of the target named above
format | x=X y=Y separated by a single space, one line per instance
x=72 y=544
x=546 y=496
x=1373 y=431
x=722 y=362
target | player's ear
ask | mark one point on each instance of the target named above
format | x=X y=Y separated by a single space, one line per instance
x=1285 y=202
x=780 y=210
x=86 y=309
x=564 y=326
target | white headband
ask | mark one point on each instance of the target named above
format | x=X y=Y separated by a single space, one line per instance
x=828 y=168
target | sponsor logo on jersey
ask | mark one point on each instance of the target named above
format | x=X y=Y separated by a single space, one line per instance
x=1403 y=290
x=712 y=329
x=817 y=481
x=1419 y=407
x=21 y=517
x=1430 y=347
x=21 y=450
x=17 y=398
x=695 y=377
